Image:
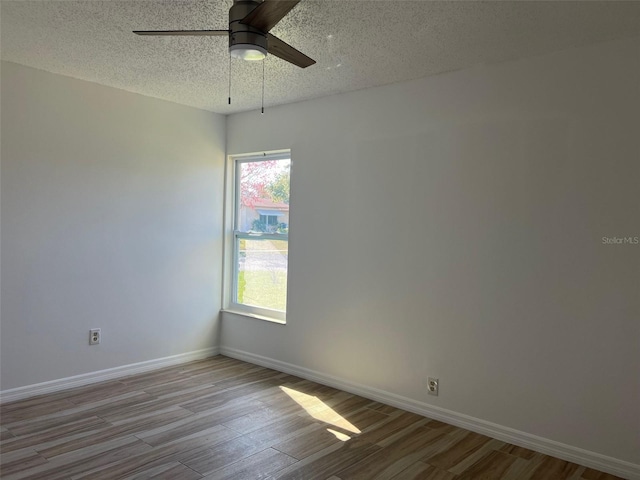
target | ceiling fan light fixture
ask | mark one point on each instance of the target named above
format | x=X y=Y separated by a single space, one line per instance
x=249 y=52
x=249 y=39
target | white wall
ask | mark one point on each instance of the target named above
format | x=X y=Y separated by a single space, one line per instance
x=498 y=184
x=111 y=218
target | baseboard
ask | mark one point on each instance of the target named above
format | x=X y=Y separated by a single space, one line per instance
x=102 y=375
x=566 y=452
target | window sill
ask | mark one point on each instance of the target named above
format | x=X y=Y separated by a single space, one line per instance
x=254 y=315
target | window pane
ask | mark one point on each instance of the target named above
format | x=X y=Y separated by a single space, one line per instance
x=262 y=273
x=263 y=196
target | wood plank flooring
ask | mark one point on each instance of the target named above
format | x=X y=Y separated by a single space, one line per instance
x=221 y=418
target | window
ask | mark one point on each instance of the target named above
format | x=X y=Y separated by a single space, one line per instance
x=261 y=235
x=269 y=219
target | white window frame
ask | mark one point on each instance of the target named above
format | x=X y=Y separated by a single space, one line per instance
x=234 y=235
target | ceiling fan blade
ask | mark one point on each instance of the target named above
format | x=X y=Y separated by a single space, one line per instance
x=265 y=16
x=281 y=49
x=199 y=33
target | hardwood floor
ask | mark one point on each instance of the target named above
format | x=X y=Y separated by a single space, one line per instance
x=221 y=418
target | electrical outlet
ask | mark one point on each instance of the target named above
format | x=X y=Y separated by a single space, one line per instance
x=432 y=386
x=94 y=336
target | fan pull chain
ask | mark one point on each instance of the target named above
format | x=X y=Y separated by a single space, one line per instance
x=262 y=111
x=229 y=79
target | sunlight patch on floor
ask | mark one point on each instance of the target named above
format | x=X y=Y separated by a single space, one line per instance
x=321 y=411
x=340 y=436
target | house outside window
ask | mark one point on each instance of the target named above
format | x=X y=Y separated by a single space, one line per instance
x=264 y=215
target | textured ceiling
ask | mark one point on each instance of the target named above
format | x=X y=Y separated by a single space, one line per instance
x=357 y=43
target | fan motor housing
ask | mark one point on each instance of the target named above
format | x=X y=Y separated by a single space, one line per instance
x=241 y=34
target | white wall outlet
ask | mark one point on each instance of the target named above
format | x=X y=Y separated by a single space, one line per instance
x=94 y=336
x=432 y=386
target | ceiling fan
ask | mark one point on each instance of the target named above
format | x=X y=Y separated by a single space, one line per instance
x=249 y=37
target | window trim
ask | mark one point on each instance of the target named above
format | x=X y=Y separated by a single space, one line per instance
x=233 y=235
